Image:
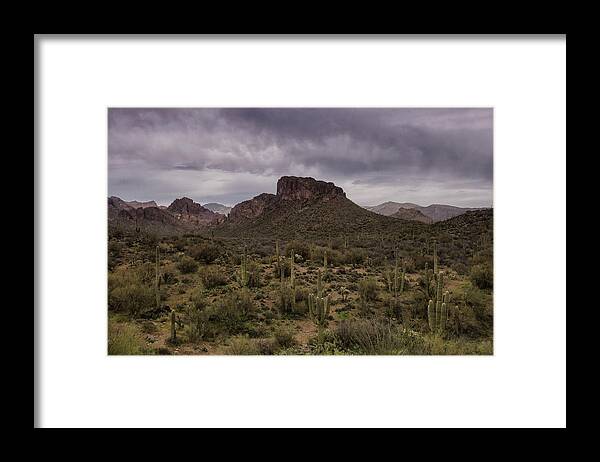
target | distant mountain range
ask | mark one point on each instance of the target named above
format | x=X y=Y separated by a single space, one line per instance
x=302 y=207
x=435 y=212
x=218 y=208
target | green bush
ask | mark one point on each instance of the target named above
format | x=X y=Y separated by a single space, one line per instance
x=198 y=299
x=284 y=337
x=206 y=252
x=301 y=248
x=187 y=265
x=371 y=337
x=212 y=277
x=355 y=256
x=482 y=276
x=253 y=269
x=367 y=289
x=124 y=339
x=133 y=299
x=243 y=346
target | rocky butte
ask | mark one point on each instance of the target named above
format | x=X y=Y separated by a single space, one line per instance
x=289 y=188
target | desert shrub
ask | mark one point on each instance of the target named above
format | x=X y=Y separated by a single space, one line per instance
x=471 y=316
x=187 y=265
x=355 y=256
x=206 y=252
x=169 y=277
x=240 y=301
x=131 y=298
x=198 y=300
x=243 y=346
x=301 y=248
x=335 y=258
x=482 y=276
x=253 y=269
x=367 y=289
x=179 y=244
x=130 y=290
x=148 y=327
x=285 y=299
x=284 y=337
x=212 y=277
x=115 y=247
x=435 y=345
x=124 y=339
x=267 y=346
x=409 y=264
x=371 y=337
x=148 y=239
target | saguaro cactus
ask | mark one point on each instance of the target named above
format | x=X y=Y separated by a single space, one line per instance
x=325 y=260
x=244 y=277
x=293 y=281
x=173 y=327
x=435 y=258
x=157 y=280
x=318 y=309
x=437 y=309
x=319 y=284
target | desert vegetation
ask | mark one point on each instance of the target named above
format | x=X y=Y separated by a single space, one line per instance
x=424 y=290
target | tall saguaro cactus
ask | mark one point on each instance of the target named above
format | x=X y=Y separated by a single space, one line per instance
x=173 y=327
x=437 y=309
x=157 y=280
x=293 y=281
x=435 y=258
x=244 y=277
x=318 y=309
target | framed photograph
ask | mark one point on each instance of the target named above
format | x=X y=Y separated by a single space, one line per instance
x=220 y=243
x=271 y=227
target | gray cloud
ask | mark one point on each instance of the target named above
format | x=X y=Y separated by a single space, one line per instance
x=228 y=155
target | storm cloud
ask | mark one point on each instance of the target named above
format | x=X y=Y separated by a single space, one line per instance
x=228 y=155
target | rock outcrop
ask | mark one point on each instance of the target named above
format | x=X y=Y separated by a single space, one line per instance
x=298 y=188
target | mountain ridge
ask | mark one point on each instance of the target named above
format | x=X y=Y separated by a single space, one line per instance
x=436 y=212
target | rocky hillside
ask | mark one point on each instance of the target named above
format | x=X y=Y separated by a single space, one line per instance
x=411 y=214
x=183 y=215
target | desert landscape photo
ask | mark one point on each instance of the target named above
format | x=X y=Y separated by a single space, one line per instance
x=300 y=231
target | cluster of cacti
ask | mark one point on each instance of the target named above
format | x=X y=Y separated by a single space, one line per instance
x=437 y=309
x=318 y=310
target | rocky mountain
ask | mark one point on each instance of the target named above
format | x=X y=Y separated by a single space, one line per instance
x=305 y=207
x=411 y=214
x=218 y=208
x=183 y=215
x=436 y=212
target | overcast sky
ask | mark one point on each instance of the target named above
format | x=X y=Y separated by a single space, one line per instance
x=423 y=156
